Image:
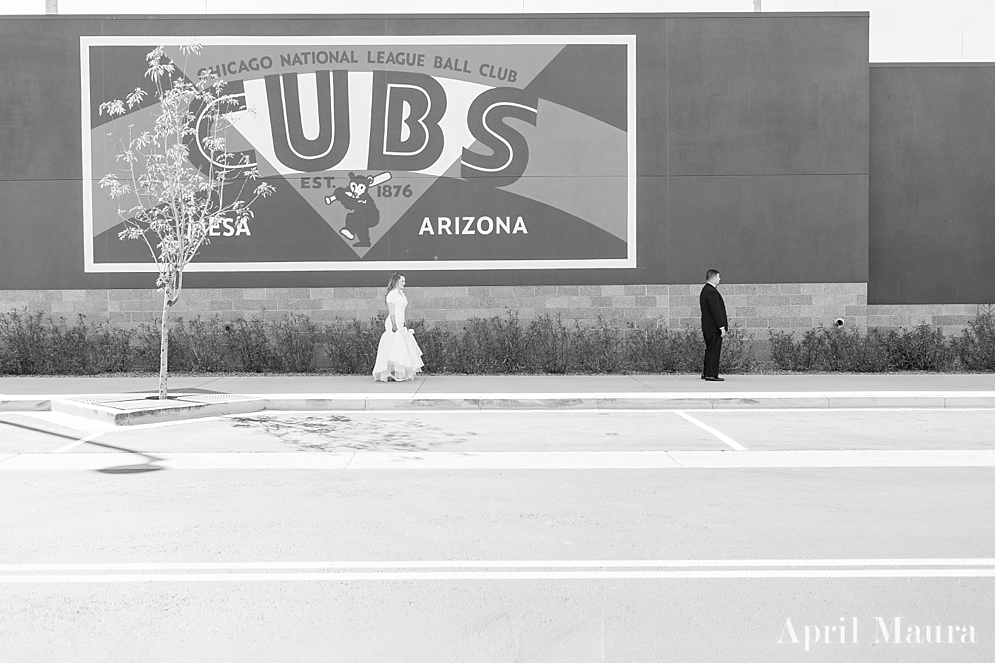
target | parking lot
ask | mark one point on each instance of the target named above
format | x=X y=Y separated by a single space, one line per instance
x=559 y=535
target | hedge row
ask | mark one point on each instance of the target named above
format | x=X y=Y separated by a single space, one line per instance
x=919 y=349
x=32 y=344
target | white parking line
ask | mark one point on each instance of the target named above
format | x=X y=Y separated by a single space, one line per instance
x=544 y=395
x=840 y=409
x=497 y=570
x=406 y=576
x=561 y=411
x=508 y=411
x=82 y=440
x=708 y=429
x=501 y=564
x=627 y=395
x=352 y=461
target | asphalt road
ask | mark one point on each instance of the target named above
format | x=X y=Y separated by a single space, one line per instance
x=135 y=545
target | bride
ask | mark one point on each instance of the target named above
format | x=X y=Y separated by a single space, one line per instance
x=398 y=355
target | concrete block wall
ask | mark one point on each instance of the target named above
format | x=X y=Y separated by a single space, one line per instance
x=779 y=306
x=951 y=318
x=755 y=307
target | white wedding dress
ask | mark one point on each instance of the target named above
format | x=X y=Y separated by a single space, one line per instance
x=398 y=355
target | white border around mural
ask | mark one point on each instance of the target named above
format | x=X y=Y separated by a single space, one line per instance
x=629 y=262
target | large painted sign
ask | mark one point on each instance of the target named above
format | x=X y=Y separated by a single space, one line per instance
x=440 y=153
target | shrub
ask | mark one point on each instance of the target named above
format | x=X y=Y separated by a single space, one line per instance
x=202 y=345
x=67 y=348
x=738 y=355
x=510 y=337
x=250 y=345
x=600 y=348
x=147 y=348
x=505 y=342
x=493 y=345
x=547 y=345
x=295 y=338
x=848 y=350
x=110 y=350
x=478 y=349
x=824 y=349
x=976 y=346
x=30 y=343
x=650 y=350
x=439 y=348
x=24 y=343
x=687 y=347
x=683 y=351
x=835 y=349
x=813 y=351
x=784 y=352
x=351 y=346
x=919 y=349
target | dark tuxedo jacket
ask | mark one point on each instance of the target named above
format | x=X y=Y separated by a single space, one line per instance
x=713 y=310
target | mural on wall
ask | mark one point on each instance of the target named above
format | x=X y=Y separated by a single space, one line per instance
x=471 y=153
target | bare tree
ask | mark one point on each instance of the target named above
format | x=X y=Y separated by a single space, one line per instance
x=174 y=204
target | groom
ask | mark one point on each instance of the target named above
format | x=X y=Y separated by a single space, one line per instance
x=714 y=324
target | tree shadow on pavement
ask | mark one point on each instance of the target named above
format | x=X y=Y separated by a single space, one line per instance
x=139 y=468
x=344 y=433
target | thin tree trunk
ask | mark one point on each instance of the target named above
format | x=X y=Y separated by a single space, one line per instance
x=164 y=346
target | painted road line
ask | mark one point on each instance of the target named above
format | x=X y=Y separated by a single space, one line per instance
x=924 y=458
x=276 y=414
x=405 y=576
x=541 y=395
x=73 y=422
x=537 y=564
x=794 y=410
x=708 y=429
x=475 y=412
x=501 y=460
x=371 y=460
x=643 y=395
x=82 y=440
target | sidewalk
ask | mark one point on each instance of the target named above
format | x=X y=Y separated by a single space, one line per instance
x=124 y=400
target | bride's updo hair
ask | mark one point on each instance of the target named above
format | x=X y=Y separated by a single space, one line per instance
x=392 y=283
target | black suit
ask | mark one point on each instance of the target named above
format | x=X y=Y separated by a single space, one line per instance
x=713 y=319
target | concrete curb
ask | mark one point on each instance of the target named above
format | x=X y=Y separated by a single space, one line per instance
x=130 y=410
x=171 y=412
x=25 y=404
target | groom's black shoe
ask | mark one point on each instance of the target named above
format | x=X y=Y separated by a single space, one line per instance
x=702 y=376
x=710 y=379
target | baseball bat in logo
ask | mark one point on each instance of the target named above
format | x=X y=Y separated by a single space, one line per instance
x=376 y=180
x=363 y=213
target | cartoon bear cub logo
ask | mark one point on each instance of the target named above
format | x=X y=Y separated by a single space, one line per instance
x=363 y=213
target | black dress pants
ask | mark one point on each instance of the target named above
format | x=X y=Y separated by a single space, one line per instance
x=713 y=350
